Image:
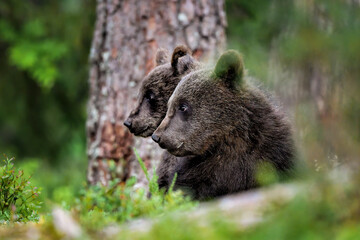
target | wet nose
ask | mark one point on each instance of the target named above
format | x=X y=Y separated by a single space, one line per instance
x=156 y=138
x=127 y=123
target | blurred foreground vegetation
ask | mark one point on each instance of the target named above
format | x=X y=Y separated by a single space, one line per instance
x=323 y=208
x=307 y=52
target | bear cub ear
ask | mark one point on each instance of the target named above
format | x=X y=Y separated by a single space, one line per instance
x=230 y=67
x=162 y=56
x=179 y=52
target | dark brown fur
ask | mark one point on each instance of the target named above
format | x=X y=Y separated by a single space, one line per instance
x=221 y=129
x=156 y=89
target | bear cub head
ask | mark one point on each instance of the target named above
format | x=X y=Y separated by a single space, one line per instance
x=201 y=109
x=218 y=109
x=156 y=89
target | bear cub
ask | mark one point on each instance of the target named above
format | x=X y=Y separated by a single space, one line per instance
x=221 y=128
x=156 y=89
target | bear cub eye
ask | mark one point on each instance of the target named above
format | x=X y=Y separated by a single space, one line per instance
x=184 y=111
x=150 y=97
x=183 y=107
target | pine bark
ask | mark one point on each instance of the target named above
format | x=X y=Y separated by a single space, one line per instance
x=126 y=37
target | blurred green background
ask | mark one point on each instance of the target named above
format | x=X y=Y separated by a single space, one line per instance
x=44 y=48
x=307 y=52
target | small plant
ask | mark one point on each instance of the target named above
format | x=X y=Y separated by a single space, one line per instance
x=18 y=199
x=118 y=202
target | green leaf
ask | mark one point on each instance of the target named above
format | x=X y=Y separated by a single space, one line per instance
x=142 y=164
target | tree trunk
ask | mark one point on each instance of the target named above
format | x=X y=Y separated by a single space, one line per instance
x=127 y=35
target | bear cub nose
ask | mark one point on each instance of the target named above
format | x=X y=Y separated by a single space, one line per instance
x=127 y=123
x=155 y=138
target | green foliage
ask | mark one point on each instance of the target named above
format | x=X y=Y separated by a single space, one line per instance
x=61 y=186
x=33 y=53
x=174 y=228
x=153 y=186
x=266 y=174
x=325 y=209
x=118 y=202
x=18 y=199
x=253 y=26
x=44 y=48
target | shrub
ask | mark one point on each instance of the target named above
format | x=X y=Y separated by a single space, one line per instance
x=18 y=199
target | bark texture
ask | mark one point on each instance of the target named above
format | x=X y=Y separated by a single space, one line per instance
x=127 y=35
